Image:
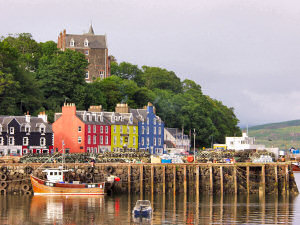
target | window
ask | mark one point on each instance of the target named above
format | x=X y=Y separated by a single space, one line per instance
x=147 y=141
x=134 y=130
x=42 y=129
x=86 y=52
x=95 y=149
x=87 y=75
x=11 y=130
x=106 y=140
x=121 y=129
x=148 y=120
x=11 y=141
x=89 y=128
x=27 y=129
x=25 y=140
x=89 y=139
x=159 y=141
x=133 y=141
x=94 y=139
x=147 y=130
x=101 y=118
x=106 y=129
x=115 y=140
x=88 y=149
x=143 y=141
x=0 y=128
x=101 y=74
x=79 y=129
x=128 y=129
x=115 y=129
x=72 y=43
x=38 y=151
x=159 y=130
x=101 y=129
x=101 y=140
x=86 y=43
x=94 y=128
x=154 y=141
x=154 y=121
x=79 y=140
x=43 y=141
x=143 y=130
x=1 y=140
x=121 y=140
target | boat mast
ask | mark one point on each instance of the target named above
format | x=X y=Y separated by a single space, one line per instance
x=63 y=153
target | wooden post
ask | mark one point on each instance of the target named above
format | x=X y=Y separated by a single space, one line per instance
x=174 y=180
x=129 y=179
x=141 y=181
x=248 y=179
x=152 y=179
x=184 y=180
x=211 y=184
x=276 y=178
x=235 y=180
x=263 y=179
x=221 y=179
x=164 y=179
x=197 y=182
x=287 y=177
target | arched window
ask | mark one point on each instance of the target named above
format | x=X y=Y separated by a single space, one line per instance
x=72 y=43
x=86 y=43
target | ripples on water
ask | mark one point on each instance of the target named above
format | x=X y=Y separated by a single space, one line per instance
x=227 y=209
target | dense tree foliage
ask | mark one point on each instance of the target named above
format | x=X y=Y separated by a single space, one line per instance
x=37 y=76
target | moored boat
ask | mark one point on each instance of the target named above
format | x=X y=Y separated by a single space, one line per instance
x=55 y=185
x=142 y=209
x=296 y=166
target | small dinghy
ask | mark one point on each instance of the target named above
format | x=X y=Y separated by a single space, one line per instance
x=142 y=209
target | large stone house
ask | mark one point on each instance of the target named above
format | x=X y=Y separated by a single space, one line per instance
x=94 y=47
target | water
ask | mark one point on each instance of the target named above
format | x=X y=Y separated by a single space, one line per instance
x=227 y=209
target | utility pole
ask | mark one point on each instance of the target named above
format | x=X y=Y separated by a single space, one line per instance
x=194 y=145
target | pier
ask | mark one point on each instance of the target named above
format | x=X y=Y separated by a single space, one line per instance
x=147 y=178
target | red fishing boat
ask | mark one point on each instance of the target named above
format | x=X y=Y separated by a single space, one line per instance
x=55 y=185
x=296 y=166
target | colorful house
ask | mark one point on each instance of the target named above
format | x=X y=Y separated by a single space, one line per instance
x=151 y=129
x=25 y=134
x=124 y=128
x=81 y=131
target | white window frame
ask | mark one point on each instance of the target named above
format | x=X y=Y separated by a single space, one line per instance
x=94 y=128
x=115 y=129
x=159 y=130
x=143 y=141
x=27 y=127
x=106 y=129
x=11 y=142
x=87 y=75
x=86 y=43
x=143 y=130
x=89 y=128
x=42 y=141
x=121 y=129
x=106 y=140
x=128 y=129
x=42 y=129
x=79 y=128
x=89 y=139
x=133 y=140
x=25 y=141
x=101 y=140
x=159 y=141
x=148 y=120
x=148 y=141
x=79 y=140
x=86 y=52
x=154 y=121
x=121 y=140
x=94 y=139
x=72 y=43
x=11 y=130
x=148 y=130
x=154 y=141
x=154 y=131
x=115 y=140
x=134 y=129
x=101 y=73
x=101 y=129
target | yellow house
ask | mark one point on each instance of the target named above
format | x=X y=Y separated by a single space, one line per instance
x=124 y=136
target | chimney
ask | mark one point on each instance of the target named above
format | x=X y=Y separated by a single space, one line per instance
x=150 y=108
x=43 y=116
x=122 y=108
x=95 y=108
x=27 y=117
x=69 y=109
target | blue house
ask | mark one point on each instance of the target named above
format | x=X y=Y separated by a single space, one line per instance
x=150 y=129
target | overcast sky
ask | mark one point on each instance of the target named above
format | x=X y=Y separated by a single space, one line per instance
x=245 y=53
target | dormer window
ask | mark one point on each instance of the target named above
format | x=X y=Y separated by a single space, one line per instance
x=72 y=43
x=42 y=130
x=120 y=118
x=154 y=121
x=27 y=129
x=11 y=130
x=101 y=118
x=131 y=119
x=113 y=118
x=86 y=43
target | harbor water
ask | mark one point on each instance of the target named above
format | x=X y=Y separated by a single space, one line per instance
x=168 y=209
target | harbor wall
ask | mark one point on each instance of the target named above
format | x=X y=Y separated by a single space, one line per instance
x=196 y=178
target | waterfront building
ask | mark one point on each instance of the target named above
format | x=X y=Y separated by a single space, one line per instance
x=242 y=143
x=94 y=47
x=151 y=129
x=25 y=134
x=176 y=141
x=124 y=128
x=81 y=131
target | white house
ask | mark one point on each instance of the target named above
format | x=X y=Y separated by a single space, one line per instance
x=242 y=143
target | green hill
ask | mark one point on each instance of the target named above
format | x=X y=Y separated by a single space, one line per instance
x=283 y=135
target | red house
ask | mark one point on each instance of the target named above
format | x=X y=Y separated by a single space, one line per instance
x=81 y=131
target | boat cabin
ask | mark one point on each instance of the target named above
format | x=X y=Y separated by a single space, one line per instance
x=55 y=175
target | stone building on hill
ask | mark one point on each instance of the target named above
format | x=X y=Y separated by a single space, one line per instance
x=94 y=47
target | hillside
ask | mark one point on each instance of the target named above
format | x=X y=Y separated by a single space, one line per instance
x=283 y=135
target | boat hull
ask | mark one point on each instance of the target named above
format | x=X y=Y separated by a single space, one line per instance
x=42 y=187
x=295 y=167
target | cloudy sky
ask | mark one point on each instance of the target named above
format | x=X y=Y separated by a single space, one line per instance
x=245 y=53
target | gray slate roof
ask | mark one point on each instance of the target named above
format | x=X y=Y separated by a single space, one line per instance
x=95 y=41
x=141 y=115
x=35 y=123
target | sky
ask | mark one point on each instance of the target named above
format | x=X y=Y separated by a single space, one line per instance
x=245 y=53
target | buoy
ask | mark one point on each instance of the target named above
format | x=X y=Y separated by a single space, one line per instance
x=190 y=158
x=117 y=179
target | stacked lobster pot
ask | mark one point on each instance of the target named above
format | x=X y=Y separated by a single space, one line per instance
x=15 y=181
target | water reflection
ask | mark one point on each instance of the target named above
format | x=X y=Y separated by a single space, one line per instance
x=168 y=209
